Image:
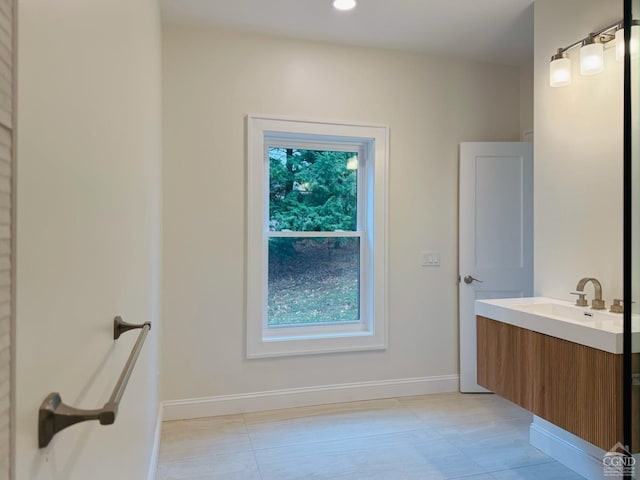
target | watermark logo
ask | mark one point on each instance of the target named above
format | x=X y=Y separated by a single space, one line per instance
x=618 y=462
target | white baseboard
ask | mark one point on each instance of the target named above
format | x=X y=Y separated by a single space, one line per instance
x=299 y=397
x=573 y=452
x=155 y=449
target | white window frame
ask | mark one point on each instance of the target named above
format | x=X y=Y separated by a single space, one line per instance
x=371 y=143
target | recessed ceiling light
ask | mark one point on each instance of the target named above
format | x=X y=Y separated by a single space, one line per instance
x=343 y=4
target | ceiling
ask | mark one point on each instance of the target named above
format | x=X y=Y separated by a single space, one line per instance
x=493 y=31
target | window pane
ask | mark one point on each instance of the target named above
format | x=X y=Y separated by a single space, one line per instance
x=313 y=280
x=312 y=190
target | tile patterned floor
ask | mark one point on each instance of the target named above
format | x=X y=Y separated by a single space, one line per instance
x=430 y=437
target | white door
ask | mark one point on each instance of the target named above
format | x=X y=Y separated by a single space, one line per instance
x=495 y=235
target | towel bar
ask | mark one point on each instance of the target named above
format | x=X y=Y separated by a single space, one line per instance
x=55 y=416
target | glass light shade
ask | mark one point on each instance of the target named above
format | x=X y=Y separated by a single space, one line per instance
x=343 y=4
x=560 y=72
x=620 y=45
x=635 y=43
x=591 y=58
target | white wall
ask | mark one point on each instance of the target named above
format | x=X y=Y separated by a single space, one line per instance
x=526 y=97
x=212 y=79
x=578 y=156
x=89 y=189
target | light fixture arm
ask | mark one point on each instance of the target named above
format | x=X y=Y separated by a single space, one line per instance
x=607 y=32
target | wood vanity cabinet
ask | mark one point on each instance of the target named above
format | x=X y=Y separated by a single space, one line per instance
x=575 y=387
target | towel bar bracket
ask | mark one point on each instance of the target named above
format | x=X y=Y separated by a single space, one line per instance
x=120 y=326
x=54 y=416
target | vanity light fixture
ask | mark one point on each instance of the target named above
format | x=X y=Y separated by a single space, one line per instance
x=560 y=69
x=344 y=4
x=592 y=52
x=591 y=56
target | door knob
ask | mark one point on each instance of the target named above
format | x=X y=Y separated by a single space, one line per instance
x=469 y=279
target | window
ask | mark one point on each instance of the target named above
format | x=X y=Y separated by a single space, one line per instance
x=316 y=246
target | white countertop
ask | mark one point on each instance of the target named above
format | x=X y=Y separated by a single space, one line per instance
x=558 y=318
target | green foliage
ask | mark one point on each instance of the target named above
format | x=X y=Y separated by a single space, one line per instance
x=311 y=191
x=312 y=279
x=283 y=248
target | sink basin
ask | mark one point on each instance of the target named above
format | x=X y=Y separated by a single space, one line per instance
x=599 y=329
x=570 y=312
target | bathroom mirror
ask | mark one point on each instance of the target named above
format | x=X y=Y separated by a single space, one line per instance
x=634 y=139
x=632 y=231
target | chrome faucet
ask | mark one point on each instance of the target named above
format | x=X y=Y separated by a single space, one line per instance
x=597 y=303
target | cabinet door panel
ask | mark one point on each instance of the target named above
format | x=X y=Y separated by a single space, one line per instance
x=504 y=360
x=581 y=391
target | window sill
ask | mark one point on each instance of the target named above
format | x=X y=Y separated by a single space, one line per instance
x=318 y=344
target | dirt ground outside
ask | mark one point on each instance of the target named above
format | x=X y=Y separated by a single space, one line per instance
x=314 y=281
